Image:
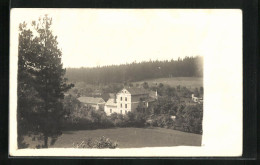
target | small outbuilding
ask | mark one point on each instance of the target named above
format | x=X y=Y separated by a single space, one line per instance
x=95 y=102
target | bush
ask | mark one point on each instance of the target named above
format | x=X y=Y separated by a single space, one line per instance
x=189 y=119
x=129 y=120
x=93 y=120
x=101 y=142
x=161 y=121
x=79 y=116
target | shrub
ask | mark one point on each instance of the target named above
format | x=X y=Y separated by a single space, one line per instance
x=80 y=116
x=189 y=119
x=161 y=121
x=101 y=142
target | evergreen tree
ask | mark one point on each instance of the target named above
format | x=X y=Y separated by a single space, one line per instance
x=28 y=98
x=40 y=74
x=187 y=67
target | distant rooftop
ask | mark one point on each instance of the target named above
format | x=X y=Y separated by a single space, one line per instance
x=91 y=100
x=137 y=91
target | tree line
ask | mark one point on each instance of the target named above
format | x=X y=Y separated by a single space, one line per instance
x=186 y=67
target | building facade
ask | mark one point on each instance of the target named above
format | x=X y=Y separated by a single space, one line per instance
x=128 y=99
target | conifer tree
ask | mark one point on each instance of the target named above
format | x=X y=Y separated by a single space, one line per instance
x=41 y=82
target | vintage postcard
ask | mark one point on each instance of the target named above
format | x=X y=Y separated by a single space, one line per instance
x=125 y=82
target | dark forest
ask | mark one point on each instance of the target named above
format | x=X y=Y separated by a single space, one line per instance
x=186 y=67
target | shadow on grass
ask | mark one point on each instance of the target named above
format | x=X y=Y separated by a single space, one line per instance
x=68 y=132
x=71 y=129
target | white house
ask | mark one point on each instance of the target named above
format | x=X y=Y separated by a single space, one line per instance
x=95 y=102
x=127 y=100
x=111 y=106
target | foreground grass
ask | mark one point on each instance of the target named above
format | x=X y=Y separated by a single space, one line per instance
x=129 y=137
x=189 y=82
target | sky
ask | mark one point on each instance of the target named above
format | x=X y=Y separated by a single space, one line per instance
x=98 y=37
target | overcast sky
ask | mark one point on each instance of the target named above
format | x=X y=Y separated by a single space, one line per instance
x=92 y=37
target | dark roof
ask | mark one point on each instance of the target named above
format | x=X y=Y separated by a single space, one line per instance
x=137 y=91
x=91 y=100
x=149 y=99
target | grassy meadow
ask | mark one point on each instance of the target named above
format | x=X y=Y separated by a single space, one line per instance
x=128 y=137
x=189 y=82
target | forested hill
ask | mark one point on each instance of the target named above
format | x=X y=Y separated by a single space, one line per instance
x=187 y=67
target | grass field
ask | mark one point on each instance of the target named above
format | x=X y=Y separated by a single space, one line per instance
x=129 y=137
x=189 y=82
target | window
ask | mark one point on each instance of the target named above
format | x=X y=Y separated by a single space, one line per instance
x=126 y=106
x=125 y=98
x=121 y=111
x=110 y=110
x=125 y=111
x=121 y=105
x=121 y=98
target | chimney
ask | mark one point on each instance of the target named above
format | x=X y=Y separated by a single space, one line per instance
x=114 y=98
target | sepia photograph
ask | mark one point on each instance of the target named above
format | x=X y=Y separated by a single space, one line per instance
x=116 y=81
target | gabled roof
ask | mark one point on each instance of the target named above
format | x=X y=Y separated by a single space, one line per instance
x=91 y=100
x=112 y=95
x=137 y=91
x=111 y=102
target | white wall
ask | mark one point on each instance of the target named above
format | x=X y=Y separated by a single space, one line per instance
x=107 y=109
x=124 y=94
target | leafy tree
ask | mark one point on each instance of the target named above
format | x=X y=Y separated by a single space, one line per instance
x=185 y=92
x=189 y=118
x=129 y=118
x=161 y=85
x=170 y=91
x=113 y=116
x=41 y=82
x=193 y=118
x=201 y=91
x=196 y=92
x=72 y=108
x=139 y=119
x=145 y=85
x=178 y=88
